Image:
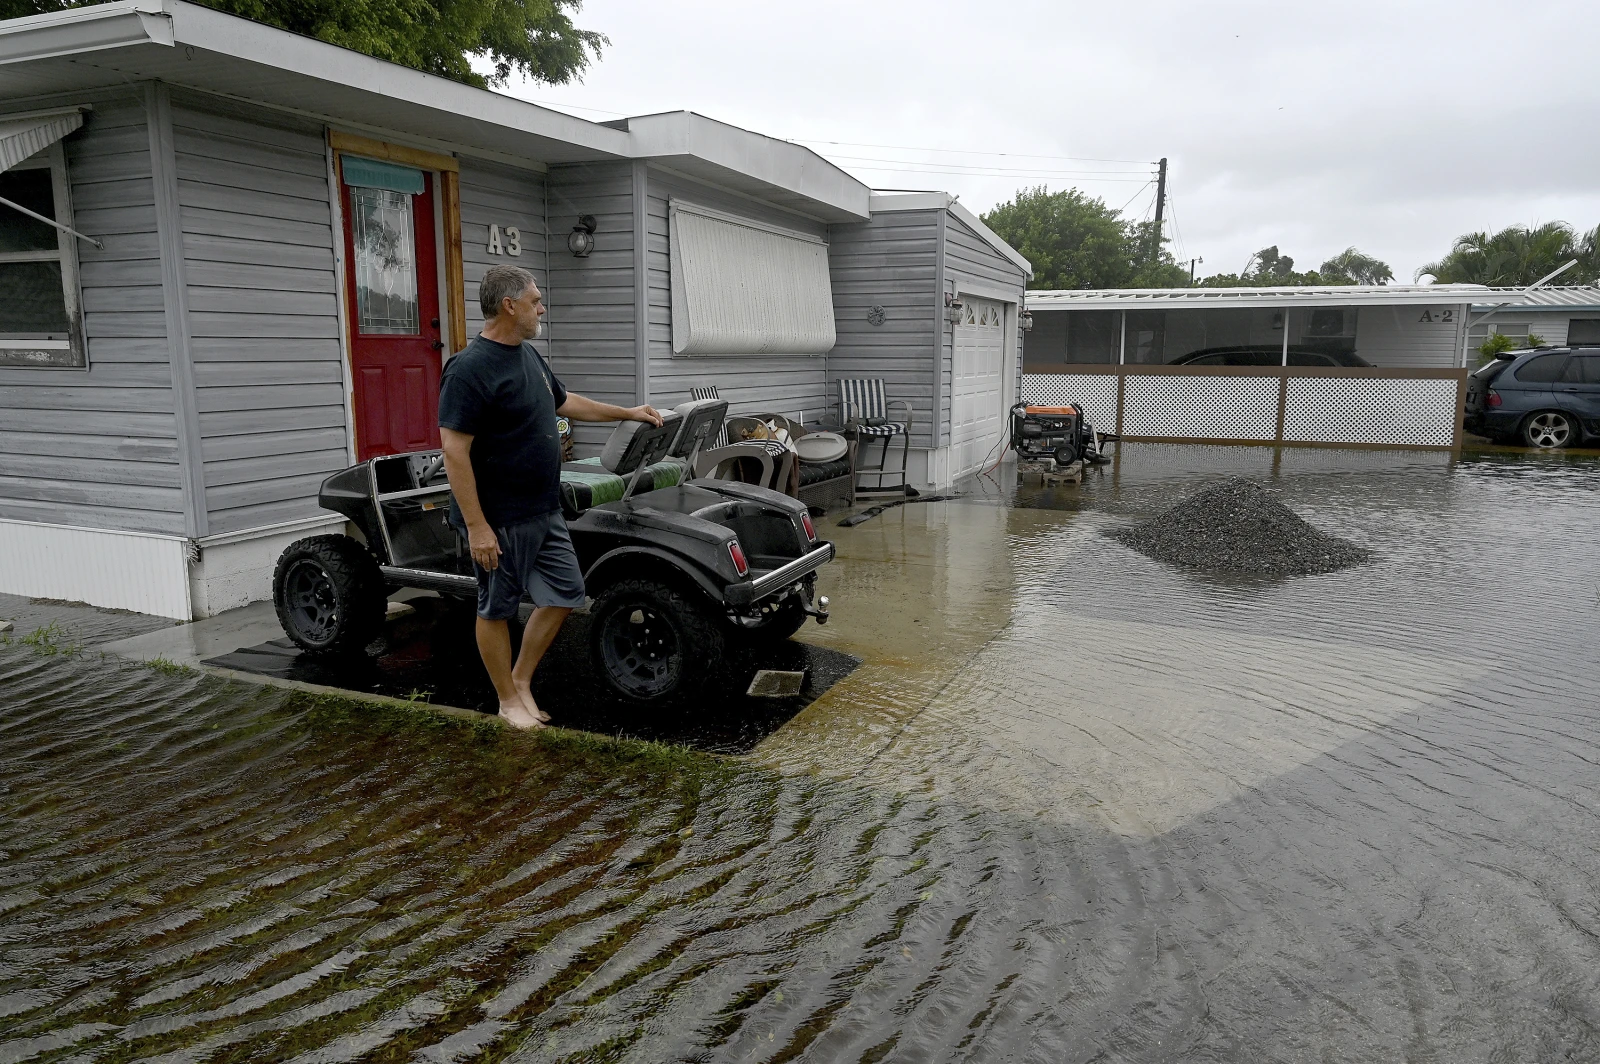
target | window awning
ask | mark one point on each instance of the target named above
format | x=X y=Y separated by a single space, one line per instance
x=740 y=287
x=26 y=136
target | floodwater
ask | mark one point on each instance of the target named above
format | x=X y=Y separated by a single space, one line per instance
x=1073 y=806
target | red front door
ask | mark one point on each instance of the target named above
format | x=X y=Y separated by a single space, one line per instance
x=395 y=348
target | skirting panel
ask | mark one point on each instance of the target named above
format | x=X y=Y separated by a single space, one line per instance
x=1095 y=394
x=120 y=570
x=1418 y=413
x=1205 y=408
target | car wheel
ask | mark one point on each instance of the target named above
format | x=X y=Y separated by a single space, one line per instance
x=1550 y=429
x=653 y=644
x=329 y=594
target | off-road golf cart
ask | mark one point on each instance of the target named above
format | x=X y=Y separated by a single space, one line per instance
x=680 y=571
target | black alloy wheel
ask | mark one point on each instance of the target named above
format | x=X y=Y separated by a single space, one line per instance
x=329 y=594
x=1550 y=429
x=652 y=644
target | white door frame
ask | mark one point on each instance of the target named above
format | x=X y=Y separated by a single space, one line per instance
x=1010 y=300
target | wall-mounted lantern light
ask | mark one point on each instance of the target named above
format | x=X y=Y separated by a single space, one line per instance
x=952 y=310
x=581 y=240
x=1025 y=320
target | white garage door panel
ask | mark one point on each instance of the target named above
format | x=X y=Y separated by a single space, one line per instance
x=977 y=400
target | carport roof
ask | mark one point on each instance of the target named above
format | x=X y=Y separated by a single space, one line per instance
x=1196 y=298
x=1566 y=297
x=186 y=45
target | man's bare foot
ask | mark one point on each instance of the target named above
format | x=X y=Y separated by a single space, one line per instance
x=526 y=694
x=516 y=714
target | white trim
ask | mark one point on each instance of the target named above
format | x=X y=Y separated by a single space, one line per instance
x=984 y=290
x=346 y=376
x=244 y=535
x=140 y=571
x=676 y=204
x=1192 y=298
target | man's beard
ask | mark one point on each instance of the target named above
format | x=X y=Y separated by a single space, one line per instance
x=538 y=330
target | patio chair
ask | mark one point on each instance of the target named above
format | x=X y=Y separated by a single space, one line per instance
x=710 y=392
x=864 y=413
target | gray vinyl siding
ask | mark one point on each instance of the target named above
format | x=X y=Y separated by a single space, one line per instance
x=258 y=242
x=492 y=194
x=590 y=323
x=969 y=257
x=784 y=384
x=98 y=447
x=888 y=261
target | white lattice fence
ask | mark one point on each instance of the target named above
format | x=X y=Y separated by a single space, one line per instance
x=1419 y=413
x=1094 y=393
x=1203 y=408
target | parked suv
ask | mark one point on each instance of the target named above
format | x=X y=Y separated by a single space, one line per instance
x=1547 y=397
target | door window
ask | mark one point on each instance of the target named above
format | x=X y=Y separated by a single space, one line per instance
x=1582 y=369
x=386 y=262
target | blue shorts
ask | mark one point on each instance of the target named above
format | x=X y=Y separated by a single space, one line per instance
x=536 y=559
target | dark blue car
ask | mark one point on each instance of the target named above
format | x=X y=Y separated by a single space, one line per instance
x=1547 y=397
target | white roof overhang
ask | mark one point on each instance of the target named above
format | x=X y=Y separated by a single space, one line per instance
x=23 y=136
x=942 y=201
x=777 y=171
x=1203 y=298
x=191 y=46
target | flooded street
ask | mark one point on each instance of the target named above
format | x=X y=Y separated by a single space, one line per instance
x=1073 y=805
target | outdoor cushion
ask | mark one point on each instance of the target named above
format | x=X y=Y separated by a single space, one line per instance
x=812 y=472
x=888 y=428
x=592 y=485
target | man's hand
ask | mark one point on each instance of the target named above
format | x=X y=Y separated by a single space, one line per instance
x=646 y=413
x=484 y=546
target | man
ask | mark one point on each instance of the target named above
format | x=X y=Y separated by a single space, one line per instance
x=498 y=402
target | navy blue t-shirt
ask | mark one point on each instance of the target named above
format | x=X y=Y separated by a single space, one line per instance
x=506 y=399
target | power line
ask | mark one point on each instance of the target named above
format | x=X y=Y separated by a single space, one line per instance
x=1135 y=196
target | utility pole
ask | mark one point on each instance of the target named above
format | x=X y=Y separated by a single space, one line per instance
x=1161 y=205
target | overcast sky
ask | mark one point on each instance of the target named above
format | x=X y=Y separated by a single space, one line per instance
x=1391 y=126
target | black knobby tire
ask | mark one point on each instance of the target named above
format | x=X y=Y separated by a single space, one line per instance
x=329 y=594
x=1551 y=429
x=653 y=644
x=780 y=622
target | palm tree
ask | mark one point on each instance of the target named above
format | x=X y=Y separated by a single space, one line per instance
x=1516 y=255
x=1351 y=266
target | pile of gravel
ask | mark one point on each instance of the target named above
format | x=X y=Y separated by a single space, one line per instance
x=1240 y=527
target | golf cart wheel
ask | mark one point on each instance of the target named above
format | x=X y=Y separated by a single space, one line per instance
x=329 y=594
x=779 y=622
x=1550 y=429
x=653 y=644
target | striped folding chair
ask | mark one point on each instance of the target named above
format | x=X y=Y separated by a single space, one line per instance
x=710 y=392
x=865 y=414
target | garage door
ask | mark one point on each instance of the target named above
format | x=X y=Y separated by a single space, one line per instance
x=977 y=401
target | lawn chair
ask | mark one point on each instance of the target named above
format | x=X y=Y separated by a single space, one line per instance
x=710 y=392
x=865 y=415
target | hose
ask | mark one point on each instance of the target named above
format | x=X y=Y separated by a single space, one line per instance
x=873 y=511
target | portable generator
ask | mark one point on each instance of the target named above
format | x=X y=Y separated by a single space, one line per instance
x=1053 y=437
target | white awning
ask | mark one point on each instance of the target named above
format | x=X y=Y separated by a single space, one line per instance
x=741 y=287
x=23 y=137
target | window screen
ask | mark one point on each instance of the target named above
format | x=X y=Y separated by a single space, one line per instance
x=1583 y=331
x=38 y=274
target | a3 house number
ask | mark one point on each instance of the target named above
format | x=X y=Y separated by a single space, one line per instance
x=1445 y=317
x=505 y=242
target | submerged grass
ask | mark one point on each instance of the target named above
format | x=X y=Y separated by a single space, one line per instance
x=48 y=639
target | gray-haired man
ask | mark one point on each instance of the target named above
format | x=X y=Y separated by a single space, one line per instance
x=498 y=402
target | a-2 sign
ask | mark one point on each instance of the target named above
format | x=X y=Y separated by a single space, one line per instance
x=507 y=242
x=1447 y=316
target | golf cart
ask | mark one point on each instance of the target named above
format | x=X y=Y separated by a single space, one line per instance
x=680 y=571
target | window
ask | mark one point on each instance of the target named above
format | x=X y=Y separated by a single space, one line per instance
x=1583 y=331
x=1545 y=369
x=1517 y=330
x=39 y=320
x=1583 y=369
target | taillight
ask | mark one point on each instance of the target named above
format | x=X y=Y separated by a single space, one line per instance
x=811 y=530
x=1492 y=399
x=736 y=552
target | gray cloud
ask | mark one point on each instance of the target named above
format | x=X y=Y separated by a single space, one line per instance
x=1393 y=126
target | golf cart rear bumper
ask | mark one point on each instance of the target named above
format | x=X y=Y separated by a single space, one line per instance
x=781 y=578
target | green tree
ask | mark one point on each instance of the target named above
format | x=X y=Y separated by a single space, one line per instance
x=1516 y=255
x=1352 y=266
x=532 y=37
x=1075 y=241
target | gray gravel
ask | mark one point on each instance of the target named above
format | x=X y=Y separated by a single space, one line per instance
x=1240 y=527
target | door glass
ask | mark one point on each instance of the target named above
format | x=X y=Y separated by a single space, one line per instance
x=1583 y=369
x=386 y=262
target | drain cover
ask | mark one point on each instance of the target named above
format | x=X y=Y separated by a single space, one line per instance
x=775 y=683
